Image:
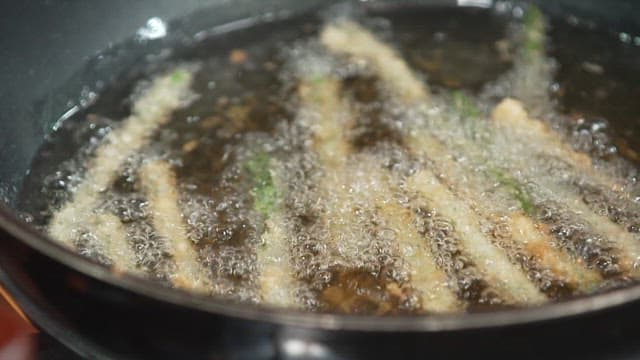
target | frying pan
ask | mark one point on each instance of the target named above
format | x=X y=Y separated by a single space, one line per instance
x=50 y=49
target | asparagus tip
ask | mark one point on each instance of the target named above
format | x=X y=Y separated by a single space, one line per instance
x=179 y=76
x=534 y=27
x=516 y=189
x=265 y=195
x=465 y=105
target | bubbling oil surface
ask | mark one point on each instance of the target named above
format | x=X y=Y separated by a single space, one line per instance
x=342 y=228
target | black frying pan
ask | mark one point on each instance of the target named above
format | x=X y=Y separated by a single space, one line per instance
x=45 y=47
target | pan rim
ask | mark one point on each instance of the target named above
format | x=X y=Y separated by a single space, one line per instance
x=34 y=239
x=43 y=244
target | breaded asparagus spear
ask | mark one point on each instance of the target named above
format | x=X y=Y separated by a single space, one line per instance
x=347 y=37
x=159 y=185
x=320 y=95
x=338 y=37
x=109 y=230
x=276 y=283
x=420 y=138
x=153 y=109
x=436 y=292
x=532 y=74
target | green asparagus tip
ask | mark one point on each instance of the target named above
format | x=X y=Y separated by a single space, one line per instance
x=179 y=76
x=465 y=105
x=318 y=79
x=533 y=18
x=516 y=189
x=534 y=29
x=265 y=195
